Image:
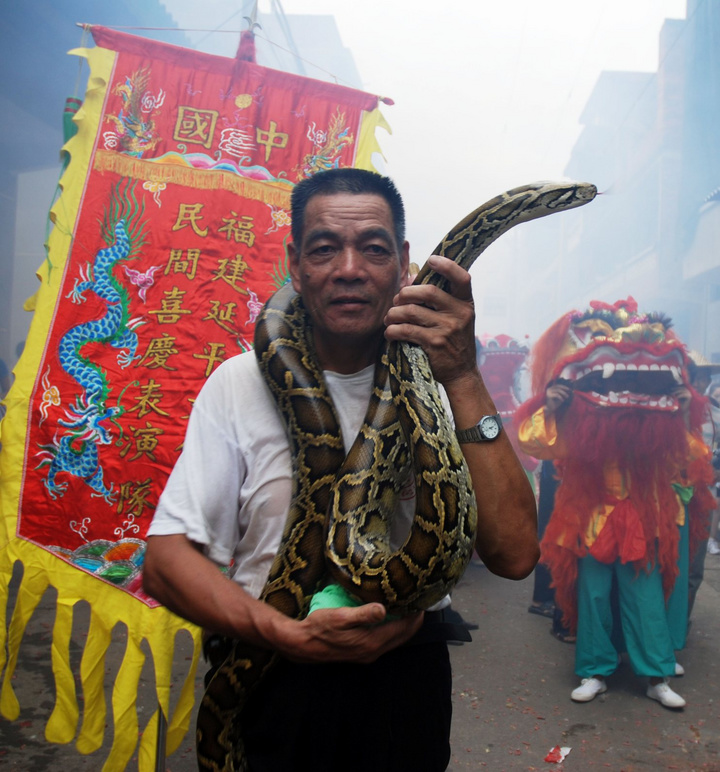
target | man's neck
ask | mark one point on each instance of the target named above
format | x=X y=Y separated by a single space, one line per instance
x=349 y=358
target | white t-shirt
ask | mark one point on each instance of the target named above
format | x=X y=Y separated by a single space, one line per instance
x=230 y=489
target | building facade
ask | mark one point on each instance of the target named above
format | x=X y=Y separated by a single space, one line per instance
x=650 y=142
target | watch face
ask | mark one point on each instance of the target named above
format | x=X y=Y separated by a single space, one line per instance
x=489 y=427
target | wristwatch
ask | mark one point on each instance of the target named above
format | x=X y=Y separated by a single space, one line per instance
x=487 y=429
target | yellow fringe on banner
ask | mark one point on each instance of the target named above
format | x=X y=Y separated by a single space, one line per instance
x=109 y=605
x=157 y=170
x=92 y=675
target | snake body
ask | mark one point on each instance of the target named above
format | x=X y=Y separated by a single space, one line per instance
x=341 y=508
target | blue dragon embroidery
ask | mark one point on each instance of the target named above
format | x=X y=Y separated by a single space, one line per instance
x=77 y=450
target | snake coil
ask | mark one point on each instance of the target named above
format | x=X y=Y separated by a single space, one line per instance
x=341 y=507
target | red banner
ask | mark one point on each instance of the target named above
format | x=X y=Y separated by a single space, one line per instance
x=179 y=240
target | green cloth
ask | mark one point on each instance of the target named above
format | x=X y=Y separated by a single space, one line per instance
x=332 y=596
x=335 y=596
x=684 y=492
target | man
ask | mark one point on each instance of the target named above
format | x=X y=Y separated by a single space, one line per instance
x=349 y=692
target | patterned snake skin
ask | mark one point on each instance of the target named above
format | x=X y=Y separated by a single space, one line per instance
x=341 y=507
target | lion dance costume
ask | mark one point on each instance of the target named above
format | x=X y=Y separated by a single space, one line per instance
x=633 y=497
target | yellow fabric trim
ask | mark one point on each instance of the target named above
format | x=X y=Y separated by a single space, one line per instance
x=597 y=523
x=92 y=676
x=109 y=605
x=31 y=590
x=123 y=702
x=538 y=436
x=680 y=517
x=367 y=142
x=180 y=174
x=62 y=723
x=178 y=726
x=600 y=516
x=697 y=448
x=31 y=303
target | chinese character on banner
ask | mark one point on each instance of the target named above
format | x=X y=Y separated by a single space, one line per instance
x=169 y=236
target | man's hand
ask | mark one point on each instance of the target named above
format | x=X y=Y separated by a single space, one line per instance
x=213 y=601
x=556 y=395
x=442 y=323
x=346 y=635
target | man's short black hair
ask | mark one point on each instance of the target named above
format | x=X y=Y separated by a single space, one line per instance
x=346 y=180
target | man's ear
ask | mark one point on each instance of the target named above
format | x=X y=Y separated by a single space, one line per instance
x=294 y=265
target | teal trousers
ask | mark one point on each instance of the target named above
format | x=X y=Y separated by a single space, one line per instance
x=678 y=605
x=643 y=616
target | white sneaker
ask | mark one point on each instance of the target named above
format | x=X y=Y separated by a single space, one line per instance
x=713 y=547
x=665 y=695
x=589 y=689
x=679 y=670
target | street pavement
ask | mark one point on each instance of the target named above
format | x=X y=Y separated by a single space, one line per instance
x=511 y=688
x=512 y=692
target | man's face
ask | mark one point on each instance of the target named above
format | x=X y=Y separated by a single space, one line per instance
x=701 y=382
x=347 y=269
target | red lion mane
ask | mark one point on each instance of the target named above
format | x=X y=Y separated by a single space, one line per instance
x=648 y=449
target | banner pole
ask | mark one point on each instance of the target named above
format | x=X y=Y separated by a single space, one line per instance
x=160 y=744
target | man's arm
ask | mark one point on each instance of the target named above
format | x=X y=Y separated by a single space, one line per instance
x=443 y=324
x=178 y=575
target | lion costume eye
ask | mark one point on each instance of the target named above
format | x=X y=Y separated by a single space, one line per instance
x=590 y=329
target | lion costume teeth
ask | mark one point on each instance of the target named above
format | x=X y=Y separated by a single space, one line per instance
x=612 y=356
